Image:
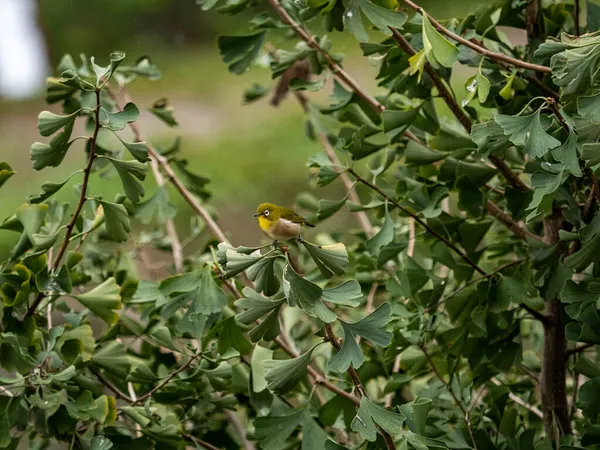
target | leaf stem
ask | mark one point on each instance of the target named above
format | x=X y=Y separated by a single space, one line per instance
x=456 y=400
x=82 y=198
x=577 y=350
x=420 y=221
x=477 y=48
x=166 y=380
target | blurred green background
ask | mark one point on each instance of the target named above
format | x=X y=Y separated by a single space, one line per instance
x=252 y=153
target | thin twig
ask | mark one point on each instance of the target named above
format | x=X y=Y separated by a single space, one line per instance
x=577 y=350
x=420 y=221
x=538 y=315
x=200 y=442
x=509 y=222
x=520 y=401
x=311 y=41
x=458 y=112
x=553 y=106
x=477 y=48
x=239 y=429
x=166 y=380
x=454 y=397
x=82 y=199
x=110 y=386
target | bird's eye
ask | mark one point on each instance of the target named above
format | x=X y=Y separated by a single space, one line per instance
x=267 y=213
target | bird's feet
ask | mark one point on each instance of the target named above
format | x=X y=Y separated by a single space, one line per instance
x=275 y=244
x=299 y=239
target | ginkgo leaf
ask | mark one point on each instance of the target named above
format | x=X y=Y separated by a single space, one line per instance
x=283 y=375
x=130 y=172
x=118 y=120
x=103 y=300
x=567 y=154
x=527 y=132
x=116 y=220
x=330 y=259
x=384 y=236
x=369 y=415
x=438 y=49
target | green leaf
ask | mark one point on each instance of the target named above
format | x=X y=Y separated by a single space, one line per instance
x=113 y=358
x=254 y=93
x=5 y=172
x=417 y=63
x=283 y=375
x=587 y=367
x=507 y=92
x=527 y=132
x=139 y=150
x=299 y=290
x=76 y=344
x=49 y=123
x=545 y=183
x=257 y=306
x=483 y=86
x=156 y=209
x=353 y=22
x=116 y=220
x=103 y=300
x=116 y=121
x=32 y=218
x=346 y=294
x=567 y=154
x=384 y=236
x=438 y=49
x=369 y=415
x=85 y=408
x=396 y=122
x=130 y=172
x=370 y=328
x=164 y=111
x=101 y=443
x=589 y=399
x=328 y=208
x=237 y=262
x=331 y=259
x=470 y=198
x=489 y=137
x=589 y=107
x=382 y=18
x=273 y=431
x=241 y=51
x=162 y=335
x=230 y=336
x=260 y=354
x=53 y=153
x=48 y=190
x=416 y=413
x=142 y=374
x=419 y=155
x=103 y=74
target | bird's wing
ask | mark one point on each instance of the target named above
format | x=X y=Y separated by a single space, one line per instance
x=293 y=216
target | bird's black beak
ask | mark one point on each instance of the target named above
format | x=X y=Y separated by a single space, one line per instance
x=257 y=214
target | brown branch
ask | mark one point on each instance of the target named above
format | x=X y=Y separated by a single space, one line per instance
x=554 y=107
x=477 y=48
x=577 y=350
x=311 y=41
x=456 y=400
x=458 y=112
x=536 y=314
x=82 y=199
x=239 y=429
x=360 y=390
x=200 y=442
x=166 y=380
x=520 y=401
x=420 y=221
x=110 y=386
x=509 y=222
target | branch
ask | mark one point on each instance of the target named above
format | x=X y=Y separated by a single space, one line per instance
x=556 y=111
x=538 y=315
x=330 y=337
x=456 y=400
x=239 y=429
x=311 y=41
x=477 y=48
x=166 y=380
x=509 y=222
x=437 y=82
x=82 y=198
x=458 y=112
x=110 y=386
x=520 y=401
x=421 y=222
x=200 y=442
x=577 y=350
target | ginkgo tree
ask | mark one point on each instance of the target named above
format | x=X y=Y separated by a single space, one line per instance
x=460 y=310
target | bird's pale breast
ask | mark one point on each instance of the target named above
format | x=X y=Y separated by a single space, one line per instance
x=283 y=229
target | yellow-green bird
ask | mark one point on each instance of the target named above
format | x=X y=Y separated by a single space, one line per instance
x=280 y=223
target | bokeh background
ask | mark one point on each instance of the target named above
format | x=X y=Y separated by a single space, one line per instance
x=252 y=153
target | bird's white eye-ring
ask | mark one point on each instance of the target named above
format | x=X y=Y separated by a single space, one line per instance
x=266 y=214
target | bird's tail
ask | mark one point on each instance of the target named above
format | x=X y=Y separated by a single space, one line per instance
x=308 y=224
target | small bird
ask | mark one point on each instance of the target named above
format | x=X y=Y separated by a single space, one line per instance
x=280 y=223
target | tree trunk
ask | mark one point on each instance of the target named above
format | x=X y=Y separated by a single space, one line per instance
x=554 y=364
